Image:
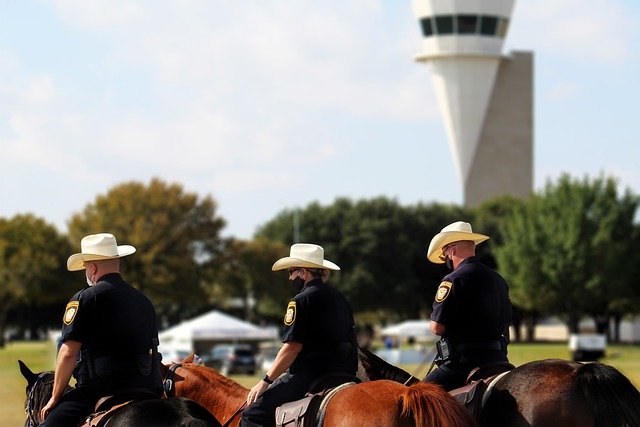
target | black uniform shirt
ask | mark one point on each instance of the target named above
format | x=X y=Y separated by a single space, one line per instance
x=472 y=303
x=113 y=319
x=320 y=318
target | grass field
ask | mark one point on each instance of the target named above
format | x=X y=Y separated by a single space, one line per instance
x=40 y=356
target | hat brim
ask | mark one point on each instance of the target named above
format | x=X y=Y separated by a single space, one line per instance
x=441 y=240
x=290 y=262
x=76 y=261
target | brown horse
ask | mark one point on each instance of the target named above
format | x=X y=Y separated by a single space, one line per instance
x=379 y=403
x=549 y=392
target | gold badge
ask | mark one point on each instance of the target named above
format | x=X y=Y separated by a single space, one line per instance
x=443 y=291
x=290 y=315
x=70 y=312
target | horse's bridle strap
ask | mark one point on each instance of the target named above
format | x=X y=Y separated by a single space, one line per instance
x=168 y=383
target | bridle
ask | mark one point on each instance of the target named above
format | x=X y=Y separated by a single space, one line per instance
x=169 y=384
x=170 y=390
x=32 y=416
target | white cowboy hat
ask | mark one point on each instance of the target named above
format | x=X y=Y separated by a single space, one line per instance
x=456 y=232
x=96 y=247
x=304 y=255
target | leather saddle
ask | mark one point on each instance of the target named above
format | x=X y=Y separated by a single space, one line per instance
x=309 y=411
x=478 y=381
x=106 y=406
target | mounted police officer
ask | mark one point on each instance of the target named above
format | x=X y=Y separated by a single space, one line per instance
x=319 y=336
x=109 y=336
x=471 y=311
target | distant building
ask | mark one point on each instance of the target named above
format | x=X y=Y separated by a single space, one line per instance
x=485 y=97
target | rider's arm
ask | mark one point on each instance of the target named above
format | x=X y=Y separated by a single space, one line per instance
x=437 y=328
x=287 y=354
x=65 y=363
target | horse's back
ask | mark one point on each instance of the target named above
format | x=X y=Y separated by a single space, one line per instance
x=174 y=411
x=557 y=393
x=388 y=403
x=369 y=403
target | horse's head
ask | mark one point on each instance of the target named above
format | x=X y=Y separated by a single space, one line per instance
x=377 y=369
x=39 y=389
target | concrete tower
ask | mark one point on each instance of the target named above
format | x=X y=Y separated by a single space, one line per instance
x=485 y=97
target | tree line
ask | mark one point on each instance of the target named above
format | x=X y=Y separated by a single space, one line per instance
x=570 y=250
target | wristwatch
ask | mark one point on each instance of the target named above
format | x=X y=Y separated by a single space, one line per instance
x=267 y=380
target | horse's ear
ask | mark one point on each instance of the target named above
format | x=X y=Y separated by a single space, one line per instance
x=164 y=369
x=27 y=373
x=189 y=358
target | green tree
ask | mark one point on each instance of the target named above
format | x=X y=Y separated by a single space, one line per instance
x=245 y=275
x=32 y=267
x=177 y=236
x=563 y=250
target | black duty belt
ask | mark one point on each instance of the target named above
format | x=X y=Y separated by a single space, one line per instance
x=484 y=345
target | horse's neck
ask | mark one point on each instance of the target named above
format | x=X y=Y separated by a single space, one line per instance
x=222 y=396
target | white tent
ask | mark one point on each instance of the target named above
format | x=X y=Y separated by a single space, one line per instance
x=204 y=330
x=417 y=329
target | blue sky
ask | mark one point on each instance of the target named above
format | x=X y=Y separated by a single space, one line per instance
x=272 y=104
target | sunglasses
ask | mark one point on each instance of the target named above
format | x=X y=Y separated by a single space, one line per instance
x=293 y=270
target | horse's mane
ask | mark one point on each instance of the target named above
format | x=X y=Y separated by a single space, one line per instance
x=604 y=388
x=207 y=374
x=424 y=400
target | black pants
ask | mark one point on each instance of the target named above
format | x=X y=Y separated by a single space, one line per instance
x=287 y=388
x=74 y=406
x=454 y=374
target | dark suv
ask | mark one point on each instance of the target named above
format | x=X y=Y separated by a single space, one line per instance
x=232 y=359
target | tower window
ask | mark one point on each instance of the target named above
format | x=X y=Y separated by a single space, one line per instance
x=427 y=28
x=488 y=25
x=483 y=25
x=467 y=24
x=444 y=24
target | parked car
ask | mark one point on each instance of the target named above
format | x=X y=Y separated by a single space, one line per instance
x=231 y=359
x=266 y=357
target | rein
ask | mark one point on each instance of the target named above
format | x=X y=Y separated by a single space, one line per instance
x=239 y=411
x=31 y=400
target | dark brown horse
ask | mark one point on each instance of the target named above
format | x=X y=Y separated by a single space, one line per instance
x=543 y=393
x=177 y=411
x=380 y=403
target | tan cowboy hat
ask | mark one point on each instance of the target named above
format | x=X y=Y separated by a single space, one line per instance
x=304 y=255
x=96 y=247
x=456 y=232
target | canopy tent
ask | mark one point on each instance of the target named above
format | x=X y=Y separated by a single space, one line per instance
x=416 y=329
x=202 y=332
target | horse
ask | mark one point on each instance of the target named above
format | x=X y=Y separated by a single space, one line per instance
x=549 y=392
x=176 y=411
x=381 y=403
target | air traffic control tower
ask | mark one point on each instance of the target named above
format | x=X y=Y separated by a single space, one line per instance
x=485 y=97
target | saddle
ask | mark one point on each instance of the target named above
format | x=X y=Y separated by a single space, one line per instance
x=309 y=411
x=479 y=383
x=106 y=406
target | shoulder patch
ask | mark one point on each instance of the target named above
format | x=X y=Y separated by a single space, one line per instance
x=290 y=315
x=443 y=291
x=70 y=312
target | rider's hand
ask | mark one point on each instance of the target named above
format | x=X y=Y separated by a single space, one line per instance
x=256 y=391
x=46 y=409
